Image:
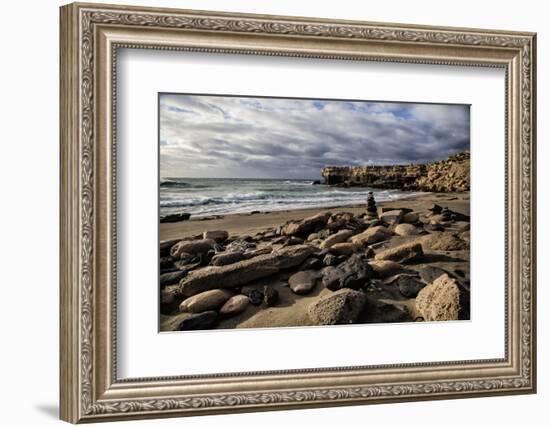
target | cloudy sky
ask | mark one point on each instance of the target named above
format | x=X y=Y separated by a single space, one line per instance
x=239 y=137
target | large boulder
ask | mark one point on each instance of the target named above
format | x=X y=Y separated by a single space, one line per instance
x=442 y=241
x=371 y=235
x=406 y=230
x=410 y=217
x=217 y=235
x=392 y=217
x=304 y=281
x=242 y=272
x=192 y=247
x=340 y=237
x=339 y=308
x=402 y=253
x=206 y=301
x=234 y=305
x=307 y=225
x=443 y=299
x=353 y=273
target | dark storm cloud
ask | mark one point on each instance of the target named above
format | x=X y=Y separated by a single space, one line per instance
x=212 y=136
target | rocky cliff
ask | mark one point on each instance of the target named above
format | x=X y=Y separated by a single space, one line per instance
x=452 y=174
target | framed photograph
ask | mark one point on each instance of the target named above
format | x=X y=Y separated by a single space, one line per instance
x=266 y=212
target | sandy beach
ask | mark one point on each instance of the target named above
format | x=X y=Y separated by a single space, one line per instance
x=279 y=269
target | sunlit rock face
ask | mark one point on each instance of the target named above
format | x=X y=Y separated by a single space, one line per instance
x=450 y=175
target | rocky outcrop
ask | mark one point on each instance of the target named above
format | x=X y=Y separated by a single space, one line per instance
x=450 y=175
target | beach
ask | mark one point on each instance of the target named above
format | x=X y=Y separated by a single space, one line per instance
x=247 y=223
x=318 y=266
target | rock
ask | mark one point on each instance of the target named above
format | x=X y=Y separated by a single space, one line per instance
x=353 y=273
x=340 y=237
x=175 y=217
x=465 y=236
x=410 y=218
x=234 y=305
x=271 y=296
x=218 y=236
x=392 y=217
x=304 y=281
x=406 y=230
x=191 y=247
x=242 y=272
x=166 y=245
x=255 y=296
x=371 y=235
x=204 y=320
x=443 y=299
x=226 y=258
x=166 y=262
x=340 y=308
x=430 y=273
x=307 y=225
x=167 y=279
x=440 y=241
x=408 y=285
x=343 y=248
x=435 y=209
x=402 y=253
x=330 y=260
x=294 y=240
x=205 y=258
x=372 y=212
x=312 y=237
x=433 y=227
x=312 y=263
x=384 y=269
x=257 y=252
x=205 y=301
x=462 y=225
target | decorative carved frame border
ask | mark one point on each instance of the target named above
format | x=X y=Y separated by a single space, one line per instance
x=90 y=36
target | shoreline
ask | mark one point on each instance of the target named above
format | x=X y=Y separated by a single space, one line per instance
x=247 y=223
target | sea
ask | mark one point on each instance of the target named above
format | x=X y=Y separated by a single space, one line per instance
x=216 y=196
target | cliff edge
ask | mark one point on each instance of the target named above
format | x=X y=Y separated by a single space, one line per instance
x=449 y=175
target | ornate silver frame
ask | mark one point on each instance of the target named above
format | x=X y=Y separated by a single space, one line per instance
x=90 y=36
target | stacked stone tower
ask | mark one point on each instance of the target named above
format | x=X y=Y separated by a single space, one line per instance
x=372 y=212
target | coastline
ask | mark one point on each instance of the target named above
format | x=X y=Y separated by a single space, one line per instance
x=242 y=224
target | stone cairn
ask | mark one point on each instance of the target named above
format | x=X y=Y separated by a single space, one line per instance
x=446 y=215
x=372 y=212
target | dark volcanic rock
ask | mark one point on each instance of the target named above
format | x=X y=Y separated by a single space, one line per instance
x=176 y=217
x=409 y=285
x=429 y=273
x=312 y=264
x=255 y=296
x=353 y=273
x=166 y=262
x=204 y=320
x=271 y=296
x=167 y=279
x=330 y=260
